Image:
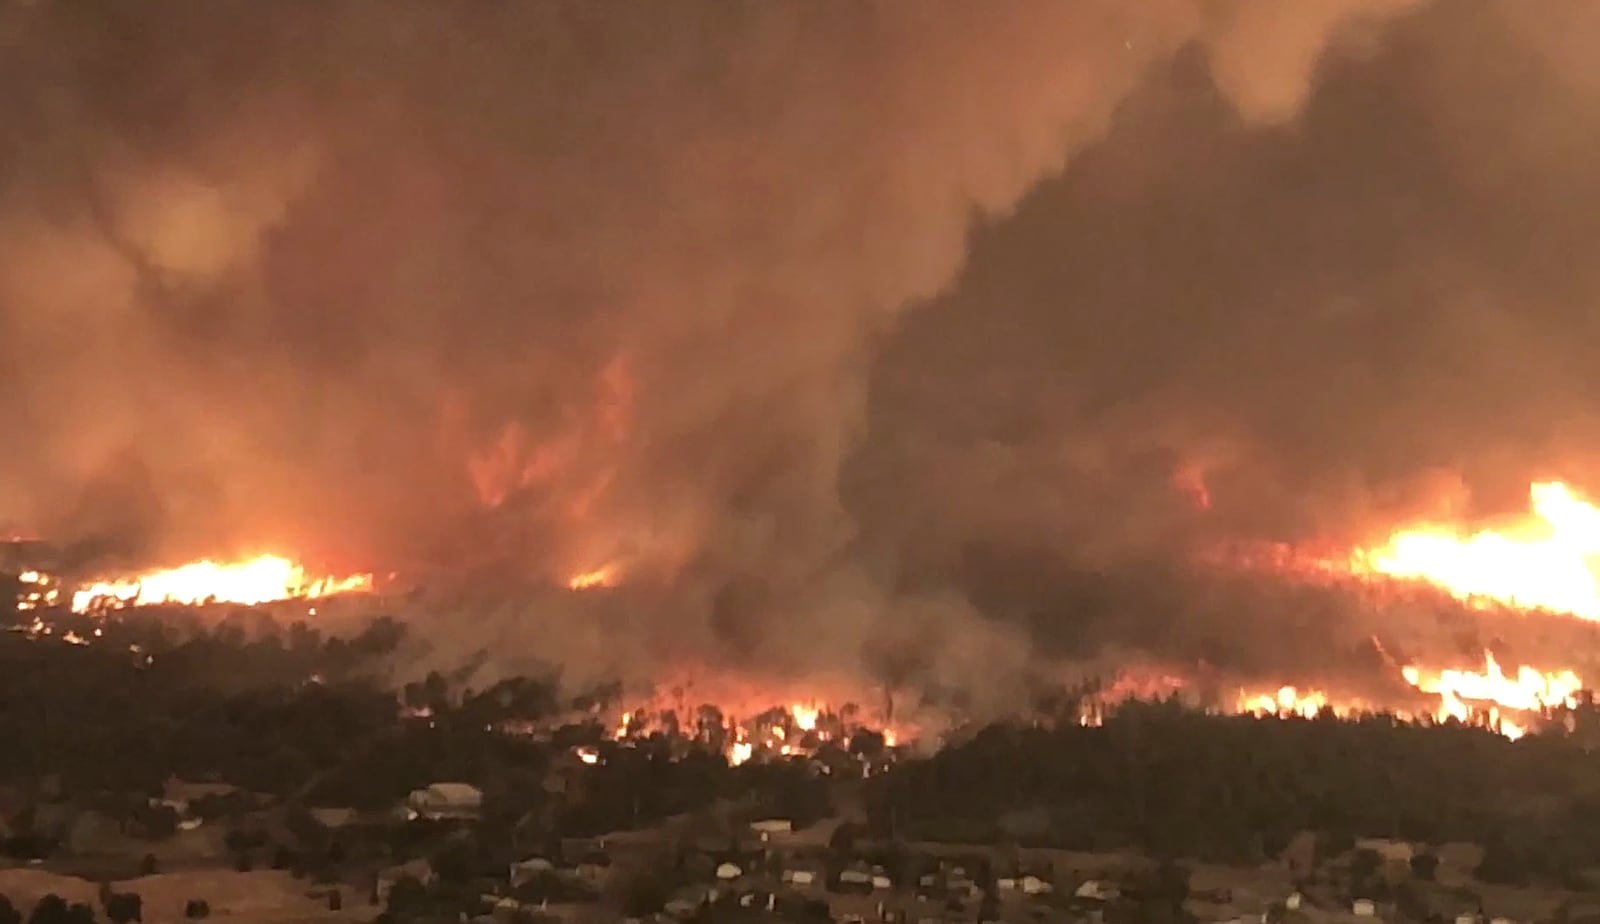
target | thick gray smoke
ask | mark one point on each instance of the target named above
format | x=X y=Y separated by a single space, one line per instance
x=1378 y=311
x=549 y=287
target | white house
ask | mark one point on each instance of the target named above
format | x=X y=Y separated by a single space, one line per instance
x=420 y=870
x=529 y=870
x=446 y=800
x=769 y=828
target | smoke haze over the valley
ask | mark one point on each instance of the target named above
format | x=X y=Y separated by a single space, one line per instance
x=886 y=335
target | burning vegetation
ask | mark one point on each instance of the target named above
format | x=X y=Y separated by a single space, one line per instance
x=263 y=579
x=1533 y=569
x=1540 y=565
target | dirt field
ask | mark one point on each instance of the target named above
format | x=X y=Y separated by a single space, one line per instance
x=26 y=885
x=262 y=897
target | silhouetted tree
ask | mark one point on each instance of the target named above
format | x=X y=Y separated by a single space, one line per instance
x=1502 y=864
x=843 y=839
x=1423 y=866
x=643 y=894
x=124 y=907
x=989 y=907
x=405 y=894
x=51 y=909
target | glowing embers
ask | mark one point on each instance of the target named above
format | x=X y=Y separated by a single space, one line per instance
x=264 y=579
x=798 y=730
x=1285 y=703
x=37 y=590
x=1544 y=561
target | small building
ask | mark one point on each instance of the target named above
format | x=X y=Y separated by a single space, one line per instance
x=334 y=818
x=447 y=800
x=1099 y=890
x=802 y=873
x=1033 y=885
x=529 y=870
x=420 y=870
x=769 y=829
x=1389 y=850
x=181 y=793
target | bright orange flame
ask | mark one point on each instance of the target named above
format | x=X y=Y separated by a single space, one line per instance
x=1543 y=562
x=1287 y=701
x=263 y=579
x=1463 y=695
x=805 y=717
x=1529 y=690
x=603 y=576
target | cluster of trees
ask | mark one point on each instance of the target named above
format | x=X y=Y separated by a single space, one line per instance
x=120 y=908
x=142 y=701
x=1177 y=782
x=121 y=716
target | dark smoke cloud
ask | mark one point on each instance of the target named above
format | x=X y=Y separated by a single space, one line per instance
x=1378 y=310
x=547 y=286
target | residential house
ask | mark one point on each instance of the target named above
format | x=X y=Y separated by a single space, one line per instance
x=529 y=870
x=182 y=794
x=334 y=818
x=803 y=873
x=856 y=879
x=1026 y=885
x=770 y=829
x=447 y=800
x=420 y=870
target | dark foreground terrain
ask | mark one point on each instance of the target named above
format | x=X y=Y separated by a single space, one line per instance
x=130 y=756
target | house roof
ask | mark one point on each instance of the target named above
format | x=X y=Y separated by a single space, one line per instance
x=454 y=793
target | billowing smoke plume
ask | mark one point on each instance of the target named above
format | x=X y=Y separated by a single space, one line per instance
x=553 y=287
x=1378 y=311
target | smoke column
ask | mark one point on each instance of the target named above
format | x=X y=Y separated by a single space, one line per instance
x=552 y=287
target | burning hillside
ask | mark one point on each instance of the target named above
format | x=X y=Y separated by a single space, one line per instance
x=1513 y=578
x=246 y=582
x=1539 y=567
x=794 y=338
x=1544 y=561
x=263 y=579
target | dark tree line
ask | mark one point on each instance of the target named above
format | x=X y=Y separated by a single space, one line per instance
x=1178 y=782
